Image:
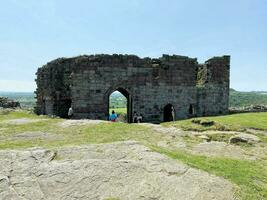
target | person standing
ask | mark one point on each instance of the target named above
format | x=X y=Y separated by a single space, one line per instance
x=173 y=114
x=70 y=113
x=113 y=117
x=135 y=116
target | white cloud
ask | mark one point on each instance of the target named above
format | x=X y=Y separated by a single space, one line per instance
x=17 y=86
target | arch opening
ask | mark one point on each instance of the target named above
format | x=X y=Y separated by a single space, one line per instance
x=63 y=108
x=168 y=114
x=120 y=102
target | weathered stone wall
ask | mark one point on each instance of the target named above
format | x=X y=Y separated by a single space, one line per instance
x=86 y=82
x=53 y=88
x=213 y=86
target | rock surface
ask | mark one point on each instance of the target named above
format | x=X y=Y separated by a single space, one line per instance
x=69 y=123
x=244 y=137
x=123 y=170
x=173 y=131
x=221 y=149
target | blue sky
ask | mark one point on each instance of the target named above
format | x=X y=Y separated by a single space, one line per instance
x=35 y=32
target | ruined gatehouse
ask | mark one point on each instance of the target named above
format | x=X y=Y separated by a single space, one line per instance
x=158 y=89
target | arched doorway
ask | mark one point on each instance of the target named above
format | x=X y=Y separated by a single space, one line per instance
x=120 y=101
x=168 y=113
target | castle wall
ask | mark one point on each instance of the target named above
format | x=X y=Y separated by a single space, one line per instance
x=213 y=86
x=53 y=88
x=86 y=82
x=151 y=84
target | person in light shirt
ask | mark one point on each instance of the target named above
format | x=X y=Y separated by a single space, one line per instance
x=70 y=113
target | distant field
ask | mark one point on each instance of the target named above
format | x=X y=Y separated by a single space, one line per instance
x=26 y=99
x=240 y=99
x=117 y=100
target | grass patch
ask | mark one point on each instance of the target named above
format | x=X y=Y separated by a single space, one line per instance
x=250 y=176
x=112 y=132
x=18 y=144
x=235 y=122
x=119 y=110
x=220 y=137
x=17 y=114
x=48 y=125
x=76 y=135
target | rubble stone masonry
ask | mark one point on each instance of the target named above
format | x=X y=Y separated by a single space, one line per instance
x=150 y=86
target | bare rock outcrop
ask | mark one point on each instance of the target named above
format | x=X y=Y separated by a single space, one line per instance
x=245 y=138
x=123 y=170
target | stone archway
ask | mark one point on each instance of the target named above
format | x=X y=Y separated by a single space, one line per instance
x=127 y=95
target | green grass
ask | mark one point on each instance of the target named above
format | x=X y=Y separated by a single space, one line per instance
x=249 y=176
x=9 y=114
x=220 y=137
x=119 y=110
x=235 y=122
x=45 y=123
x=73 y=135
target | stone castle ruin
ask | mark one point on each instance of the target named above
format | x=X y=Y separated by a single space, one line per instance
x=158 y=89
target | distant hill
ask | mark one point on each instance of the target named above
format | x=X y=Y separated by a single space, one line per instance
x=117 y=100
x=240 y=99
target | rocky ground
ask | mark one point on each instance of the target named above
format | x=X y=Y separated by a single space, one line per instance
x=206 y=144
x=68 y=123
x=122 y=170
x=93 y=159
